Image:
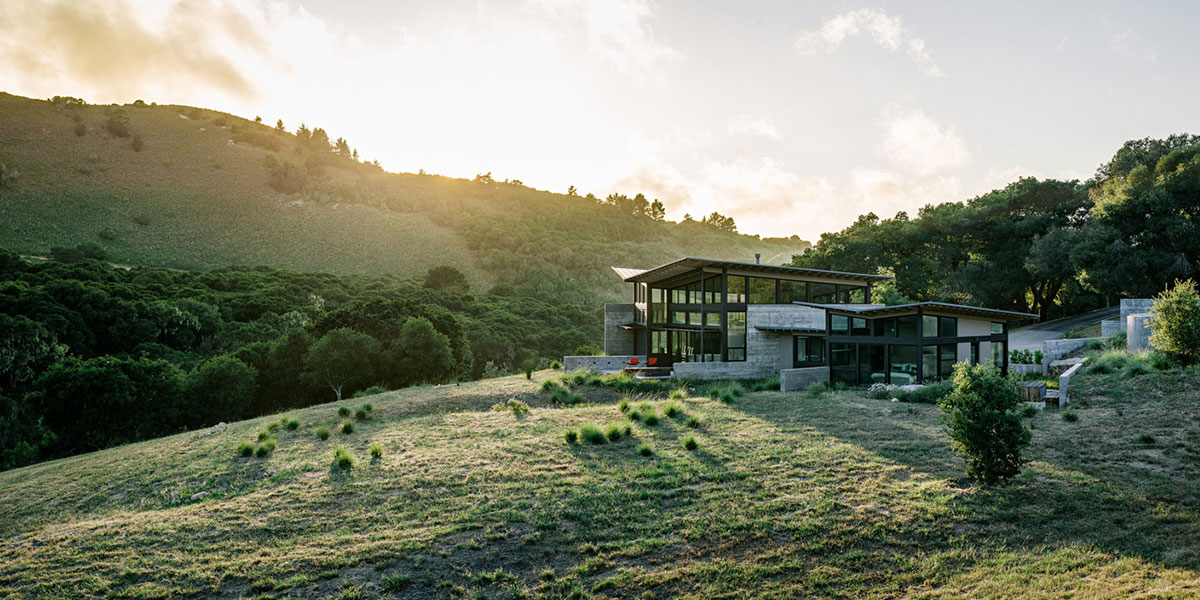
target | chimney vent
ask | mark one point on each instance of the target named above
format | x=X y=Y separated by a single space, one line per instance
x=757 y=256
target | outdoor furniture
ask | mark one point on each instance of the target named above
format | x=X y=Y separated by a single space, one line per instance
x=632 y=362
x=650 y=362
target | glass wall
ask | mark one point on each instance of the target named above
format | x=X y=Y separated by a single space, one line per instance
x=902 y=364
x=872 y=366
x=929 y=362
x=907 y=326
x=809 y=350
x=762 y=290
x=736 y=290
x=792 y=291
x=823 y=293
x=929 y=326
x=735 y=340
x=842 y=363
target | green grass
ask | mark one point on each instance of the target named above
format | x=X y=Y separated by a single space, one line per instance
x=784 y=496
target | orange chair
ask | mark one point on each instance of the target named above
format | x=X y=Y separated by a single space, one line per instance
x=653 y=360
x=632 y=362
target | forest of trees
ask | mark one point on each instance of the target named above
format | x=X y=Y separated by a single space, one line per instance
x=93 y=356
x=1045 y=246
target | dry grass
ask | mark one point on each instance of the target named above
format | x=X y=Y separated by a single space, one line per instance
x=785 y=496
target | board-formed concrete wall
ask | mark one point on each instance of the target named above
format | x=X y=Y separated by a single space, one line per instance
x=602 y=364
x=1137 y=332
x=617 y=340
x=1053 y=350
x=1111 y=327
x=1134 y=306
x=771 y=351
x=798 y=379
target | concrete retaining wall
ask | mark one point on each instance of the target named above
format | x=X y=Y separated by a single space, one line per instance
x=1133 y=306
x=723 y=370
x=603 y=364
x=1020 y=369
x=1053 y=350
x=798 y=379
x=617 y=340
x=1110 y=327
x=1137 y=332
x=1064 y=384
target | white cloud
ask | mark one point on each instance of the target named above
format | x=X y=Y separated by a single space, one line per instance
x=887 y=192
x=1126 y=43
x=617 y=30
x=919 y=143
x=885 y=30
x=745 y=125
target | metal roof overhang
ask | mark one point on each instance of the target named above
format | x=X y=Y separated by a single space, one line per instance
x=907 y=309
x=773 y=329
x=687 y=266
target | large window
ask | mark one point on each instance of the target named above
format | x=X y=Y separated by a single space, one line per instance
x=929 y=326
x=839 y=324
x=852 y=295
x=871 y=364
x=712 y=319
x=823 y=293
x=903 y=365
x=736 y=290
x=842 y=362
x=712 y=290
x=929 y=363
x=906 y=327
x=658 y=305
x=997 y=328
x=678 y=317
x=947 y=326
x=810 y=350
x=792 y=291
x=762 y=291
x=658 y=342
x=859 y=326
x=735 y=339
x=947 y=356
x=998 y=353
x=883 y=328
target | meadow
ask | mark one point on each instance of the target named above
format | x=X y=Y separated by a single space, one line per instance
x=784 y=495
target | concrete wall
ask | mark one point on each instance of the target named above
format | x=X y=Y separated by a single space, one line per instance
x=798 y=379
x=1137 y=331
x=1134 y=306
x=617 y=340
x=772 y=350
x=723 y=370
x=1053 y=350
x=1064 y=384
x=1018 y=369
x=1111 y=327
x=603 y=364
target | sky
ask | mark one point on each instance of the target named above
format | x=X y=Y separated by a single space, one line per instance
x=791 y=117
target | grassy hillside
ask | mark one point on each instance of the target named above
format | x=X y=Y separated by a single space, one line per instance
x=785 y=496
x=194 y=197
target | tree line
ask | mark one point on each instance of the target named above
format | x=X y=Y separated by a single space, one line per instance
x=93 y=356
x=1045 y=246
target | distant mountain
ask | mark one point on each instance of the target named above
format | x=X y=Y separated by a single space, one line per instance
x=183 y=187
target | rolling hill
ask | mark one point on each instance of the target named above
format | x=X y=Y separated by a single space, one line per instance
x=189 y=188
x=786 y=496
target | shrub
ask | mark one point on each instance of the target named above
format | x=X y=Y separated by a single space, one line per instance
x=395 y=583
x=575 y=399
x=839 y=386
x=361 y=414
x=266 y=447
x=588 y=350
x=645 y=450
x=770 y=384
x=1145 y=438
x=592 y=435
x=1029 y=412
x=376 y=451
x=527 y=367
x=1135 y=368
x=368 y=407
x=672 y=409
x=1038 y=357
x=556 y=365
x=817 y=389
x=371 y=391
x=613 y=433
x=292 y=423
x=726 y=395
x=930 y=394
x=984 y=423
x=623 y=405
x=1070 y=417
x=1161 y=361
x=651 y=419
x=689 y=442
x=1175 y=322
x=551 y=385
x=634 y=415
x=517 y=407
x=571 y=436
x=343 y=411
x=262 y=435
x=627 y=430
x=245 y=449
x=323 y=432
x=342 y=458
x=348 y=427
x=117 y=124
x=560 y=396
x=693 y=423
x=678 y=394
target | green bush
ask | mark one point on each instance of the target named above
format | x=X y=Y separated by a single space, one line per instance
x=348 y=427
x=342 y=458
x=245 y=449
x=930 y=394
x=672 y=409
x=361 y=414
x=634 y=415
x=556 y=365
x=575 y=399
x=571 y=436
x=292 y=423
x=983 y=419
x=817 y=389
x=323 y=432
x=1146 y=439
x=592 y=435
x=689 y=442
x=527 y=368
x=262 y=435
x=693 y=423
x=613 y=433
x=395 y=583
x=678 y=394
x=343 y=411
x=371 y=391
x=1029 y=412
x=1175 y=322
x=376 y=451
x=274 y=426
x=1070 y=417
x=645 y=450
x=551 y=385
x=651 y=419
x=588 y=350
x=560 y=396
x=266 y=447
x=623 y=405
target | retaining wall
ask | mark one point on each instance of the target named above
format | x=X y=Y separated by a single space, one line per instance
x=1137 y=332
x=602 y=364
x=798 y=379
x=617 y=340
x=1064 y=384
x=1053 y=350
x=1110 y=327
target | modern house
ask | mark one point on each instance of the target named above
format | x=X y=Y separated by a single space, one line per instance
x=713 y=319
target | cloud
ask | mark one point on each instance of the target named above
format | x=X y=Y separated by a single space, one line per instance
x=745 y=125
x=919 y=143
x=617 y=30
x=117 y=49
x=1126 y=43
x=887 y=192
x=885 y=30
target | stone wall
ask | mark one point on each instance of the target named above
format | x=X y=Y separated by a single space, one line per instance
x=617 y=340
x=798 y=379
x=602 y=364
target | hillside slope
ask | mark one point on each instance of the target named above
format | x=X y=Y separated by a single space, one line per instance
x=193 y=197
x=786 y=496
